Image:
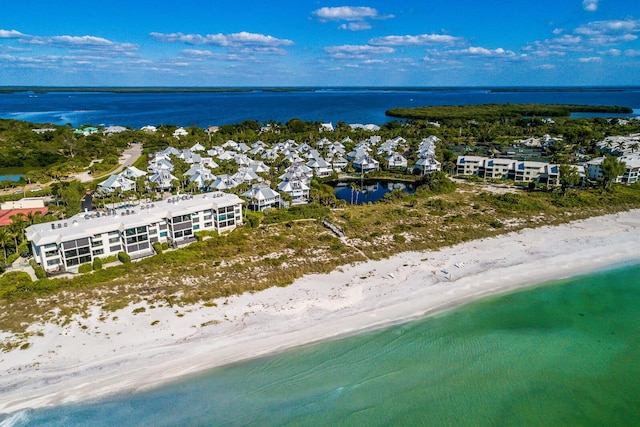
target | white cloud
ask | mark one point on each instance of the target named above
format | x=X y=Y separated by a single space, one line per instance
x=347 y=13
x=590 y=5
x=545 y=67
x=70 y=42
x=481 y=51
x=609 y=32
x=418 y=40
x=235 y=40
x=590 y=59
x=356 y=51
x=196 y=53
x=355 y=26
x=10 y=34
x=632 y=52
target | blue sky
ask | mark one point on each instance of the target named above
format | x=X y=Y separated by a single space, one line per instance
x=320 y=43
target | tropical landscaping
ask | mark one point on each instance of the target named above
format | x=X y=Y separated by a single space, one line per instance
x=278 y=245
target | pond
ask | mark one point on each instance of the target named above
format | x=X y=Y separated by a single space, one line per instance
x=371 y=191
x=13 y=174
x=11 y=177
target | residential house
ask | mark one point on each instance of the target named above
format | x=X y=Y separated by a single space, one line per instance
x=339 y=163
x=426 y=165
x=366 y=164
x=116 y=183
x=320 y=167
x=262 y=197
x=396 y=160
x=161 y=180
x=224 y=182
x=180 y=132
x=132 y=172
x=296 y=188
x=248 y=175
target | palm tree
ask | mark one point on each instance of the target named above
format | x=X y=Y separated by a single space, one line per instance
x=34 y=217
x=17 y=226
x=5 y=240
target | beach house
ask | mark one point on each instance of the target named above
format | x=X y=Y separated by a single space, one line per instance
x=262 y=197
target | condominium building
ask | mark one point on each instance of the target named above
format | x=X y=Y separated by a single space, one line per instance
x=64 y=245
x=517 y=170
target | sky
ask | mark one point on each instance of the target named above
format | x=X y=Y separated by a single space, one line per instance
x=253 y=43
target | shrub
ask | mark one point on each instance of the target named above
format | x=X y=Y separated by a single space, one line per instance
x=124 y=258
x=157 y=246
x=11 y=258
x=23 y=248
x=97 y=264
x=496 y=224
x=252 y=218
x=85 y=268
x=12 y=281
x=165 y=246
x=39 y=271
x=399 y=238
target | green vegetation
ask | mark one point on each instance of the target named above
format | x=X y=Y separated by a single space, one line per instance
x=499 y=111
x=124 y=257
x=278 y=246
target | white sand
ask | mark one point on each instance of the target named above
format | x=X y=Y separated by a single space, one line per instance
x=90 y=358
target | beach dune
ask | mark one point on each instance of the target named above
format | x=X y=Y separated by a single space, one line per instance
x=130 y=350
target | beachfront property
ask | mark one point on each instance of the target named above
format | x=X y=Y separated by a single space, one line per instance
x=262 y=197
x=630 y=175
x=516 y=170
x=62 y=246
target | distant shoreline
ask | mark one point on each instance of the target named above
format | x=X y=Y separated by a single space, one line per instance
x=198 y=89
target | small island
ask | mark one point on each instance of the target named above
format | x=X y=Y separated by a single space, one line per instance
x=490 y=112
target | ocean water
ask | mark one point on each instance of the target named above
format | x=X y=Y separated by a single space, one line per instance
x=325 y=105
x=565 y=353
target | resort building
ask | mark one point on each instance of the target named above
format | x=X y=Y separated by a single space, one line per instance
x=632 y=168
x=63 y=245
x=519 y=171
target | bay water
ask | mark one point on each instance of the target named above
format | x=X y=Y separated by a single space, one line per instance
x=565 y=353
x=349 y=105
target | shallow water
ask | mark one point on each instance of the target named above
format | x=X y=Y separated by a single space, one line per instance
x=562 y=354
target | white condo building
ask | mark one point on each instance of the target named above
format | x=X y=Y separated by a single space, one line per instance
x=65 y=244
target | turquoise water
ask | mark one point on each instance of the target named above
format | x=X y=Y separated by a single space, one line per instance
x=563 y=354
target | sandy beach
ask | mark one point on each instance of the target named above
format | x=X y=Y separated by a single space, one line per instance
x=94 y=357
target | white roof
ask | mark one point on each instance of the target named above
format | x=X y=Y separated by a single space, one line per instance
x=88 y=225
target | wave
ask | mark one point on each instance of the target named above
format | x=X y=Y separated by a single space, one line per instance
x=20 y=418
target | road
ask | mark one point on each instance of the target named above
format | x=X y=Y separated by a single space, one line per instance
x=128 y=158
